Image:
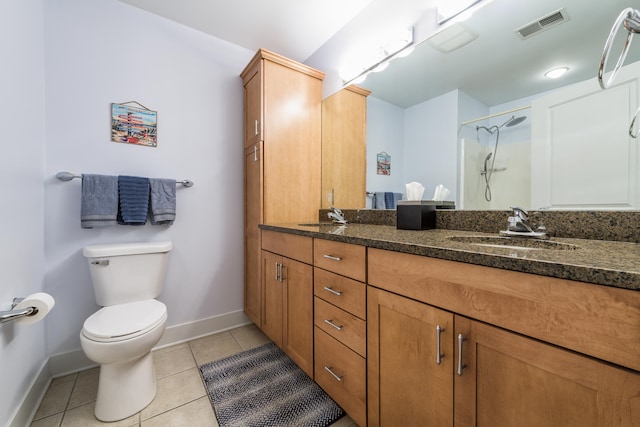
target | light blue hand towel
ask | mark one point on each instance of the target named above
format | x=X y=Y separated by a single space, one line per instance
x=99 y=201
x=162 y=210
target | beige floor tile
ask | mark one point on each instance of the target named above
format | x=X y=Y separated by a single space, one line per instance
x=249 y=337
x=51 y=421
x=91 y=371
x=70 y=377
x=197 y=413
x=174 y=391
x=170 y=348
x=172 y=362
x=86 y=389
x=55 y=399
x=214 y=347
x=83 y=416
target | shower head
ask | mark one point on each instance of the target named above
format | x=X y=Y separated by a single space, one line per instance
x=513 y=121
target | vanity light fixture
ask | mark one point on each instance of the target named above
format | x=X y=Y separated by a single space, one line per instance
x=556 y=72
x=394 y=49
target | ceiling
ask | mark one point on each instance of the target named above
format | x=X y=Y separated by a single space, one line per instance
x=495 y=68
x=292 y=28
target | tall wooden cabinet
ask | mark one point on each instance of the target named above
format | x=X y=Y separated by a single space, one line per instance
x=282 y=148
x=344 y=146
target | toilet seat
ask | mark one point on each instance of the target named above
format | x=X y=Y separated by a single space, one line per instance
x=124 y=321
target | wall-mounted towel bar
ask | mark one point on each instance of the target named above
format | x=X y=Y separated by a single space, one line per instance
x=68 y=176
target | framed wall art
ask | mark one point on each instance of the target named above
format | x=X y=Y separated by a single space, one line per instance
x=134 y=125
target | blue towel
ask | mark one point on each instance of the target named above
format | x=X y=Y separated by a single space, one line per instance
x=99 y=201
x=388 y=201
x=162 y=209
x=396 y=198
x=134 y=200
x=379 y=200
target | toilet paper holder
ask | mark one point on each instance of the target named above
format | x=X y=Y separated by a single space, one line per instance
x=9 y=315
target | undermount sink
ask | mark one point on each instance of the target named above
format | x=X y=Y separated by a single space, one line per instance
x=513 y=243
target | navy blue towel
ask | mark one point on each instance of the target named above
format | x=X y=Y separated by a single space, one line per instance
x=134 y=200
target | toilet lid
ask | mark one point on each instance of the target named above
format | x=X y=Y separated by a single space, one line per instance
x=124 y=321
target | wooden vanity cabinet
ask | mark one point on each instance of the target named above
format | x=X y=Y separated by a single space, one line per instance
x=500 y=377
x=344 y=147
x=340 y=333
x=282 y=149
x=287 y=277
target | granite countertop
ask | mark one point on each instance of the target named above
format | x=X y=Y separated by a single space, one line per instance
x=601 y=262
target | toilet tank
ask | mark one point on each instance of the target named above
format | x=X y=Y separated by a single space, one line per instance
x=127 y=272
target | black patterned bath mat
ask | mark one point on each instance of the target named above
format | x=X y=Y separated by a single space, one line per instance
x=263 y=387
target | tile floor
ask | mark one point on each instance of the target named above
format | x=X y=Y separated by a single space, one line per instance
x=181 y=399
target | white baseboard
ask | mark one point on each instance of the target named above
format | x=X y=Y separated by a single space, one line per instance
x=74 y=361
x=31 y=401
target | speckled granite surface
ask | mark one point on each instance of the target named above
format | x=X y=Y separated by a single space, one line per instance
x=623 y=226
x=601 y=262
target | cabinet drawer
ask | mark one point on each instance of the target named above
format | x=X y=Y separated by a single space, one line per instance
x=289 y=245
x=342 y=258
x=341 y=291
x=349 y=386
x=345 y=327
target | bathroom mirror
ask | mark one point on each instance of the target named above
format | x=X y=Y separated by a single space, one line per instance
x=497 y=71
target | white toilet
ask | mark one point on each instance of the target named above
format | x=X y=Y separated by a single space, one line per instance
x=126 y=279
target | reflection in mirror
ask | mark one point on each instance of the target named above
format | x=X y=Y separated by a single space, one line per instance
x=424 y=109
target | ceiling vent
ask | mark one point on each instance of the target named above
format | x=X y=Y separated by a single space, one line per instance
x=541 y=24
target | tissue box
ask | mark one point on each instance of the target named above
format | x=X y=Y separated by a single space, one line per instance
x=416 y=214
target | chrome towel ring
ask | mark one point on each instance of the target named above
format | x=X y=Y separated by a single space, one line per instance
x=630 y=19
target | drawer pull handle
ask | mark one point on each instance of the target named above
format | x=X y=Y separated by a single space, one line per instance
x=328 y=369
x=330 y=322
x=333 y=291
x=461 y=339
x=439 y=355
x=334 y=258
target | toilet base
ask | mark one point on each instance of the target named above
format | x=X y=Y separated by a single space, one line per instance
x=124 y=389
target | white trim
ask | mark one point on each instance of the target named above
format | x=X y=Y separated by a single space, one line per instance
x=25 y=412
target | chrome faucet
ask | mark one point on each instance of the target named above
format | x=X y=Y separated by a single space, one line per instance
x=519 y=224
x=337 y=216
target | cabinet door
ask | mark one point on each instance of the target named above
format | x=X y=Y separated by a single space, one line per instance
x=406 y=385
x=292 y=145
x=509 y=380
x=273 y=293
x=252 y=217
x=298 y=313
x=253 y=109
x=344 y=146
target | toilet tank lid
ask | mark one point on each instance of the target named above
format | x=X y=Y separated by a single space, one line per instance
x=96 y=251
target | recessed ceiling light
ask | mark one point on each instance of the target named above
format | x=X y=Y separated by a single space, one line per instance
x=556 y=72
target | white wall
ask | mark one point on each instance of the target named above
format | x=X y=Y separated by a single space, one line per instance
x=23 y=352
x=103 y=52
x=431 y=144
x=385 y=132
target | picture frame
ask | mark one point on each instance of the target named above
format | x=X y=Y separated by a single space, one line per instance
x=383 y=163
x=133 y=125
